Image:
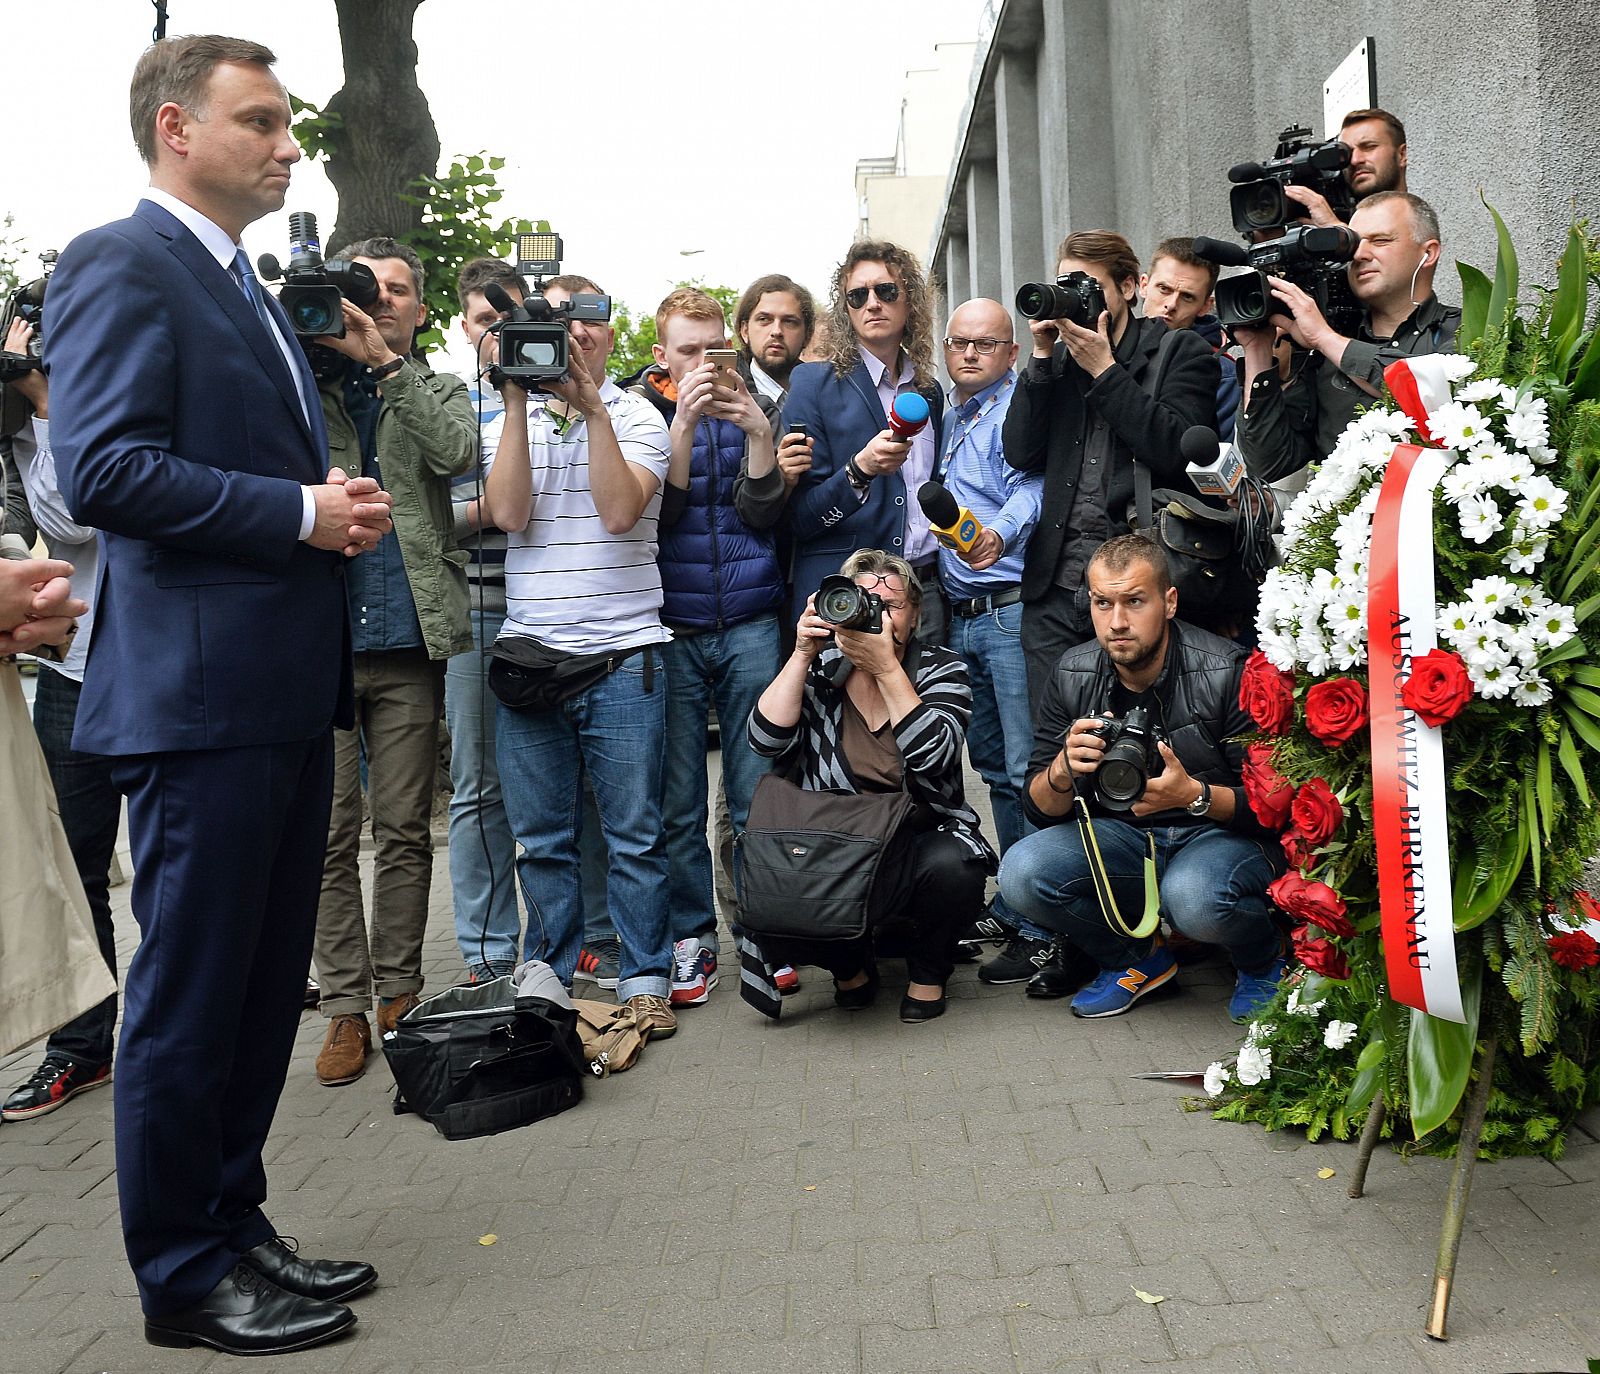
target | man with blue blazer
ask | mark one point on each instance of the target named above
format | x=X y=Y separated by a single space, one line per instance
x=861 y=489
x=188 y=430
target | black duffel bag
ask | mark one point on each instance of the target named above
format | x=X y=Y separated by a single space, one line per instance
x=478 y=1059
x=823 y=865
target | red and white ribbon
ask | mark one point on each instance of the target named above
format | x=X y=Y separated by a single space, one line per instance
x=1419 y=387
x=1409 y=804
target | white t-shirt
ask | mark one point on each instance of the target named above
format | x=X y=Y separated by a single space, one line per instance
x=570 y=584
x=64 y=537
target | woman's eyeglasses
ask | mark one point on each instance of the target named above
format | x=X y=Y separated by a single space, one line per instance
x=886 y=291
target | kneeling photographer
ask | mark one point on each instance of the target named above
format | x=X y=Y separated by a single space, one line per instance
x=863 y=707
x=1287 y=422
x=1137 y=775
x=1103 y=393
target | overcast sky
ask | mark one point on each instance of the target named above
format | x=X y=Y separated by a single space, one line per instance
x=640 y=131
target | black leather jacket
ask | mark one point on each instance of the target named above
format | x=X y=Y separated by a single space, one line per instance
x=1198 y=699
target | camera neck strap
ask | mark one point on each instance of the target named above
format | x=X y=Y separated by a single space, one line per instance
x=1150 y=917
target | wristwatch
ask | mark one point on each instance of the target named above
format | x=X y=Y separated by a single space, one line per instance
x=1201 y=804
x=388 y=369
x=861 y=481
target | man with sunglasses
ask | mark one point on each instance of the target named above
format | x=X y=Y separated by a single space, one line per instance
x=860 y=491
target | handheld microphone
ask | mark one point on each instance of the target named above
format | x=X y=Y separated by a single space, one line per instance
x=1213 y=469
x=1222 y=252
x=953 y=526
x=908 y=414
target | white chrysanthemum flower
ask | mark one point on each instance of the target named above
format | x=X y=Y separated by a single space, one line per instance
x=1339 y=1034
x=1457 y=426
x=1299 y=1008
x=1527 y=426
x=1459 y=619
x=1485 y=390
x=1492 y=681
x=1216 y=1079
x=1523 y=645
x=1526 y=554
x=1532 y=690
x=1277 y=646
x=1554 y=625
x=1352 y=575
x=1344 y=611
x=1529 y=599
x=1491 y=595
x=1543 y=455
x=1543 y=503
x=1259 y=1031
x=1457 y=367
x=1254 y=1064
x=1480 y=519
x=1461 y=482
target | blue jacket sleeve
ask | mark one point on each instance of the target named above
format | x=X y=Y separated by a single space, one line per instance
x=823 y=497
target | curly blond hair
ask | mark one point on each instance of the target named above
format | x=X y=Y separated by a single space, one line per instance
x=843 y=350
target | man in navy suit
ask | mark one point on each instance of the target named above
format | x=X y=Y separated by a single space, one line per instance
x=861 y=489
x=188 y=431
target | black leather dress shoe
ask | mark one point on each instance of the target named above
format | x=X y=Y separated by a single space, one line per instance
x=326 y=1280
x=246 y=1314
x=914 y=1009
x=854 y=999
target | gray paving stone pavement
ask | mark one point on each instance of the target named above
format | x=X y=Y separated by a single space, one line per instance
x=841 y=1192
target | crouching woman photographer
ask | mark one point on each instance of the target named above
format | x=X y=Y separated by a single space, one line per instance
x=859 y=710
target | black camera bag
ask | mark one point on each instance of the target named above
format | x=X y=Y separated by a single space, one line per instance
x=529 y=676
x=823 y=865
x=478 y=1059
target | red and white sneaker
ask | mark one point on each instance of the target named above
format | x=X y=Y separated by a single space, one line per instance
x=787 y=979
x=694 y=972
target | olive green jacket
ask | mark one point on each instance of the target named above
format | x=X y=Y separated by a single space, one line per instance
x=427 y=434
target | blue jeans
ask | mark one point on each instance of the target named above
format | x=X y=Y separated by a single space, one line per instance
x=483 y=853
x=1213 y=887
x=616 y=733
x=731 y=667
x=91 y=812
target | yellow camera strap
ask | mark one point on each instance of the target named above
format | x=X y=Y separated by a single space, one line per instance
x=1150 y=918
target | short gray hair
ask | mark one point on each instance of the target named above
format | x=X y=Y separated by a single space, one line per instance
x=1424 y=219
x=885 y=564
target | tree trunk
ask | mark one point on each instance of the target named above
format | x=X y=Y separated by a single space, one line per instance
x=387 y=138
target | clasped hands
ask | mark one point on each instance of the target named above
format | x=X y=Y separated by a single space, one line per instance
x=37 y=608
x=352 y=514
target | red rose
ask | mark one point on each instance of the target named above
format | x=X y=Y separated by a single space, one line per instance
x=1316 y=812
x=1307 y=900
x=1438 y=686
x=1267 y=790
x=1576 y=950
x=1320 y=956
x=1336 y=709
x=1267 y=693
x=1297 y=849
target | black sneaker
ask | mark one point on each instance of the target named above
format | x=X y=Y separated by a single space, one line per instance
x=1018 y=961
x=1067 y=970
x=988 y=927
x=54 y=1083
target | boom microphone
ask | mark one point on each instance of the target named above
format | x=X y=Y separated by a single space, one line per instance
x=952 y=525
x=497 y=296
x=1222 y=252
x=908 y=414
x=1242 y=172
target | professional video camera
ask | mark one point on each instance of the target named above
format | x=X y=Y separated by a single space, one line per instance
x=1257 y=199
x=1313 y=257
x=534 y=340
x=1130 y=760
x=1076 y=296
x=846 y=606
x=26 y=303
x=311 y=287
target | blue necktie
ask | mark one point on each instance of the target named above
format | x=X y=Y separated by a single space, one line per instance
x=251 y=289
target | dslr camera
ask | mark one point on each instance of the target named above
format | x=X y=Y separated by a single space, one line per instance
x=1131 y=758
x=311 y=287
x=1076 y=296
x=26 y=303
x=534 y=343
x=846 y=606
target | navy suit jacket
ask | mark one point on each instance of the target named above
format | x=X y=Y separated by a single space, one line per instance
x=178 y=434
x=826 y=517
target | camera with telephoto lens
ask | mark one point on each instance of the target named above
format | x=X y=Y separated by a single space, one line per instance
x=312 y=287
x=26 y=303
x=1130 y=760
x=534 y=342
x=1258 y=201
x=846 y=606
x=1076 y=296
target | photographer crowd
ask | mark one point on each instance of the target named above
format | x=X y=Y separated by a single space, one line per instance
x=294 y=548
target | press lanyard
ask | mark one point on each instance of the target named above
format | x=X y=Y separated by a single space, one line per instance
x=960 y=432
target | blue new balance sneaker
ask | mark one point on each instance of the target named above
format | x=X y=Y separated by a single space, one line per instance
x=1252 y=991
x=1114 y=990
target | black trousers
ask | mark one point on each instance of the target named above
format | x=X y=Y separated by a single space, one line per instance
x=1051 y=624
x=946 y=896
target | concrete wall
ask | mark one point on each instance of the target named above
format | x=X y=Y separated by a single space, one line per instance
x=1126 y=114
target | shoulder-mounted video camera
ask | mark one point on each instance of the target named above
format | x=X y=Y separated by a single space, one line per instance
x=1258 y=201
x=312 y=287
x=26 y=303
x=534 y=343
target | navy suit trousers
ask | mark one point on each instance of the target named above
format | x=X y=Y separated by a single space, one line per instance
x=227 y=854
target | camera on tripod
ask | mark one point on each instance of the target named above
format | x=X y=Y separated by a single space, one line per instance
x=534 y=342
x=312 y=287
x=1075 y=296
x=26 y=303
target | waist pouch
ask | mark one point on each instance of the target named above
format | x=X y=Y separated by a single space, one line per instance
x=529 y=676
x=478 y=1060
x=823 y=865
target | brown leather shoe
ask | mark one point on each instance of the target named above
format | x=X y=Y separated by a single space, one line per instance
x=392 y=1009
x=655 y=1016
x=344 y=1050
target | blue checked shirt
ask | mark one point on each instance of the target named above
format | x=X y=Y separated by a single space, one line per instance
x=978 y=476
